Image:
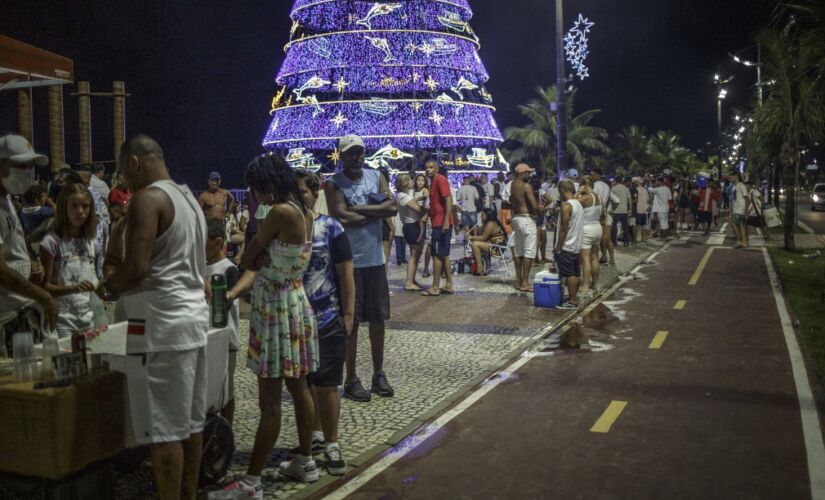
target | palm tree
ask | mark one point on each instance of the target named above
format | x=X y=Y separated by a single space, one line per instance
x=537 y=139
x=794 y=109
x=666 y=151
x=630 y=151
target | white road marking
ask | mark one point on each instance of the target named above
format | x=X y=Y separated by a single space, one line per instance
x=811 y=430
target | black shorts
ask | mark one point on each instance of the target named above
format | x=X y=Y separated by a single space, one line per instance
x=641 y=219
x=372 y=294
x=705 y=217
x=332 y=354
x=412 y=231
x=441 y=241
x=754 y=221
x=568 y=264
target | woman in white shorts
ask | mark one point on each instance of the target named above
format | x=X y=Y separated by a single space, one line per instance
x=593 y=218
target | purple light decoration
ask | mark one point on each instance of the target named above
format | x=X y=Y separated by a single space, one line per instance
x=404 y=73
x=324 y=54
x=335 y=16
x=384 y=121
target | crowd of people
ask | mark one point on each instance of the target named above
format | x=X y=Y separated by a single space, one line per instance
x=312 y=258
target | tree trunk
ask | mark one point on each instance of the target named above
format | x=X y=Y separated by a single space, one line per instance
x=790 y=203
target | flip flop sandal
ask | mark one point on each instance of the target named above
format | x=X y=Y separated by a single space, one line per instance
x=448 y=292
x=429 y=293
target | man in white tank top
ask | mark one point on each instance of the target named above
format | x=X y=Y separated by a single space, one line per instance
x=161 y=289
x=569 y=243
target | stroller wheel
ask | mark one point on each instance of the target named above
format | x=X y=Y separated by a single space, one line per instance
x=218 y=448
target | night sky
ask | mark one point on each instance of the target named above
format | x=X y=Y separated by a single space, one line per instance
x=202 y=73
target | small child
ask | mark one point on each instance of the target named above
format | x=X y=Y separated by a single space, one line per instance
x=68 y=254
x=217 y=263
x=36 y=208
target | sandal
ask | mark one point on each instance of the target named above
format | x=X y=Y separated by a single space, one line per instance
x=429 y=293
x=446 y=291
x=413 y=289
x=425 y=275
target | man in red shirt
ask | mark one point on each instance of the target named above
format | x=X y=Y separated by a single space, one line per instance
x=441 y=215
x=118 y=197
x=707 y=197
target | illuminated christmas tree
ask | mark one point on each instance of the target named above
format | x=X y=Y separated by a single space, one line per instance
x=404 y=75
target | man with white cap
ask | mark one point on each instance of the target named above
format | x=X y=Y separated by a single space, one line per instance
x=360 y=199
x=17 y=159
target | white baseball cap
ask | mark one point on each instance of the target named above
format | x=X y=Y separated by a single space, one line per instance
x=18 y=150
x=350 y=141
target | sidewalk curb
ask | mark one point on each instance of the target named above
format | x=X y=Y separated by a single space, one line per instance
x=553 y=331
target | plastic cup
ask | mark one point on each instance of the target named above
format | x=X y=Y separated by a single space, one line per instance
x=24 y=362
x=51 y=347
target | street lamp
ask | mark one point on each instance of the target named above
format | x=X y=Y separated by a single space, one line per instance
x=721 y=93
x=750 y=64
x=561 y=101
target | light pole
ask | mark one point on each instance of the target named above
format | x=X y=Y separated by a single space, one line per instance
x=758 y=65
x=721 y=93
x=561 y=101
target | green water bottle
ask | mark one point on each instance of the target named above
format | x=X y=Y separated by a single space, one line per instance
x=218 y=316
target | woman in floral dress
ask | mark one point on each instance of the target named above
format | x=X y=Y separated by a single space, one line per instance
x=283 y=340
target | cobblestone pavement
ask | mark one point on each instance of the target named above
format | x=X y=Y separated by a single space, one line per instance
x=435 y=347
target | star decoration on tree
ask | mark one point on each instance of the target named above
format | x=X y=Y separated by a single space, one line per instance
x=427 y=49
x=339 y=120
x=431 y=83
x=436 y=118
x=416 y=106
x=416 y=76
x=340 y=85
x=575 y=46
x=334 y=156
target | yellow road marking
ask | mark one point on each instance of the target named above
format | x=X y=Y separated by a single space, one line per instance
x=704 y=262
x=680 y=304
x=658 y=340
x=608 y=418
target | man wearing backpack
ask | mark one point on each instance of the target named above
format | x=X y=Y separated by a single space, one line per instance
x=468 y=201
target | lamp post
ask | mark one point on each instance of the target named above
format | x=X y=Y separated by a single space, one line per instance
x=561 y=101
x=721 y=93
x=758 y=65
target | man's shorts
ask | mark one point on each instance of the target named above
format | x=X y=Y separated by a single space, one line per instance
x=661 y=219
x=332 y=350
x=568 y=264
x=372 y=294
x=738 y=219
x=705 y=217
x=525 y=236
x=468 y=219
x=176 y=386
x=641 y=219
x=412 y=232
x=441 y=241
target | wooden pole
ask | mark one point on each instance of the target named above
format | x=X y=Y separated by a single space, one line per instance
x=119 y=114
x=24 y=115
x=57 y=146
x=84 y=121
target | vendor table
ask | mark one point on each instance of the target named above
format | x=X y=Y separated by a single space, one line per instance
x=51 y=433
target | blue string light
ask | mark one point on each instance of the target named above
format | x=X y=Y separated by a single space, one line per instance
x=576 y=46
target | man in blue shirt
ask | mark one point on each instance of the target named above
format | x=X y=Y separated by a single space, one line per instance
x=360 y=199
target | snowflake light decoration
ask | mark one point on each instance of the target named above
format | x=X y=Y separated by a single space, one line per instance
x=575 y=46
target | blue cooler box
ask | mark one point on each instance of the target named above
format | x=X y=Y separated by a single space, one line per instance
x=547 y=290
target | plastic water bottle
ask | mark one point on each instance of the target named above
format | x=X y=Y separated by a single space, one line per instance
x=219 y=317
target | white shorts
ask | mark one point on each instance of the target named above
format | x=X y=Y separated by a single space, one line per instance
x=176 y=384
x=661 y=218
x=525 y=236
x=591 y=235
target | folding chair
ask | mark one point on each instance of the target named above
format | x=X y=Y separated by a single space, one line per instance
x=501 y=253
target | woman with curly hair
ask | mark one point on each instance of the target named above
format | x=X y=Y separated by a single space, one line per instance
x=283 y=334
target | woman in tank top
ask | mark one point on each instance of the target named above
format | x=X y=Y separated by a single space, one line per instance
x=593 y=218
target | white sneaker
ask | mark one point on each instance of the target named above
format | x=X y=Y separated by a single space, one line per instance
x=307 y=473
x=334 y=461
x=238 y=490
